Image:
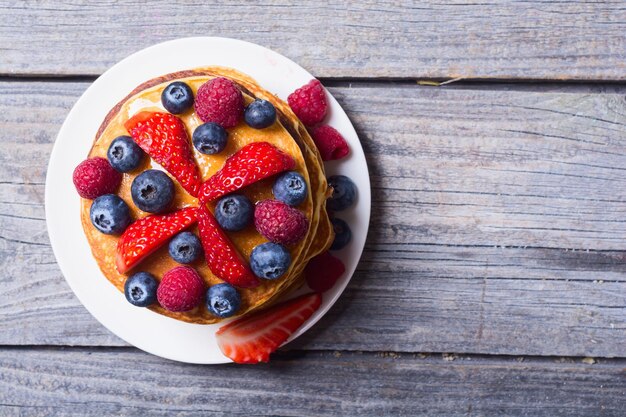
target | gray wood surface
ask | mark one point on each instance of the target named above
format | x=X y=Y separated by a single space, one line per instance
x=498 y=214
x=81 y=382
x=498 y=223
x=406 y=39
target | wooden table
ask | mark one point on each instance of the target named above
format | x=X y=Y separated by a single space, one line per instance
x=493 y=279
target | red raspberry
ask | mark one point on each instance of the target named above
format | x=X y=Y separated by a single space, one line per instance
x=219 y=101
x=181 y=289
x=95 y=177
x=330 y=143
x=279 y=222
x=309 y=103
x=323 y=271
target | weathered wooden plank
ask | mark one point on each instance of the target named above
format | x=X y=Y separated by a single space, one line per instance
x=449 y=305
x=125 y=381
x=497 y=223
x=524 y=40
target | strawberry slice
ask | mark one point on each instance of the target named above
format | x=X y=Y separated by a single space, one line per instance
x=221 y=255
x=253 y=337
x=163 y=136
x=146 y=235
x=252 y=163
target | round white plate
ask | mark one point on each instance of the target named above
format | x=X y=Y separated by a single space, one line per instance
x=140 y=327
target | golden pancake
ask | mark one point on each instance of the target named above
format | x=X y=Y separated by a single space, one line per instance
x=288 y=134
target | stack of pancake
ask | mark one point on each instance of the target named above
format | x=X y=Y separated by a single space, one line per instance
x=288 y=134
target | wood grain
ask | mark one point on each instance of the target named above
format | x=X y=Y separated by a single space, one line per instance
x=497 y=223
x=388 y=39
x=77 y=382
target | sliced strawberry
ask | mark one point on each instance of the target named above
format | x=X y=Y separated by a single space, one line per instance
x=146 y=235
x=253 y=337
x=163 y=136
x=252 y=163
x=221 y=255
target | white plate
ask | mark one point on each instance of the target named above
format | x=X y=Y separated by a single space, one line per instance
x=143 y=328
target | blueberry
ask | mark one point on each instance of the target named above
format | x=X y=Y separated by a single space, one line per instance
x=222 y=300
x=343 y=234
x=209 y=138
x=140 y=289
x=110 y=214
x=177 y=97
x=234 y=212
x=185 y=248
x=344 y=193
x=290 y=188
x=260 y=114
x=152 y=191
x=269 y=260
x=124 y=154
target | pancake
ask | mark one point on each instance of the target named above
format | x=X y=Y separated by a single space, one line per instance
x=322 y=232
x=287 y=134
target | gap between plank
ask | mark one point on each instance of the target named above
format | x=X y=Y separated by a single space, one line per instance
x=431 y=356
x=618 y=86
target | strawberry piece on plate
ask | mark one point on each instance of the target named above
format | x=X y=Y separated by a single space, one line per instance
x=253 y=337
x=252 y=163
x=164 y=137
x=221 y=256
x=146 y=235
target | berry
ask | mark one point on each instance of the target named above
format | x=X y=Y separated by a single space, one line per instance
x=252 y=163
x=181 y=289
x=152 y=191
x=209 y=138
x=270 y=260
x=323 y=271
x=279 y=222
x=109 y=214
x=163 y=136
x=260 y=114
x=221 y=256
x=220 y=101
x=309 y=103
x=140 y=289
x=185 y=248
x=290 y=188
x=253 y=337
x=344 y=193
x=148 y=234
x=222 y=300
x=124 y=155
x=330 y=143
x=234 y=212
x=95 y=177
x=343 y=234
x=177 y=97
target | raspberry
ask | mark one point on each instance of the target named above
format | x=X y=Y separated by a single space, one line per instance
x=181 y=289
x=309 y=103
x=330 y=143
x=95 y=177
x=279 y=222
x=323 y=271
x=219 y=101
